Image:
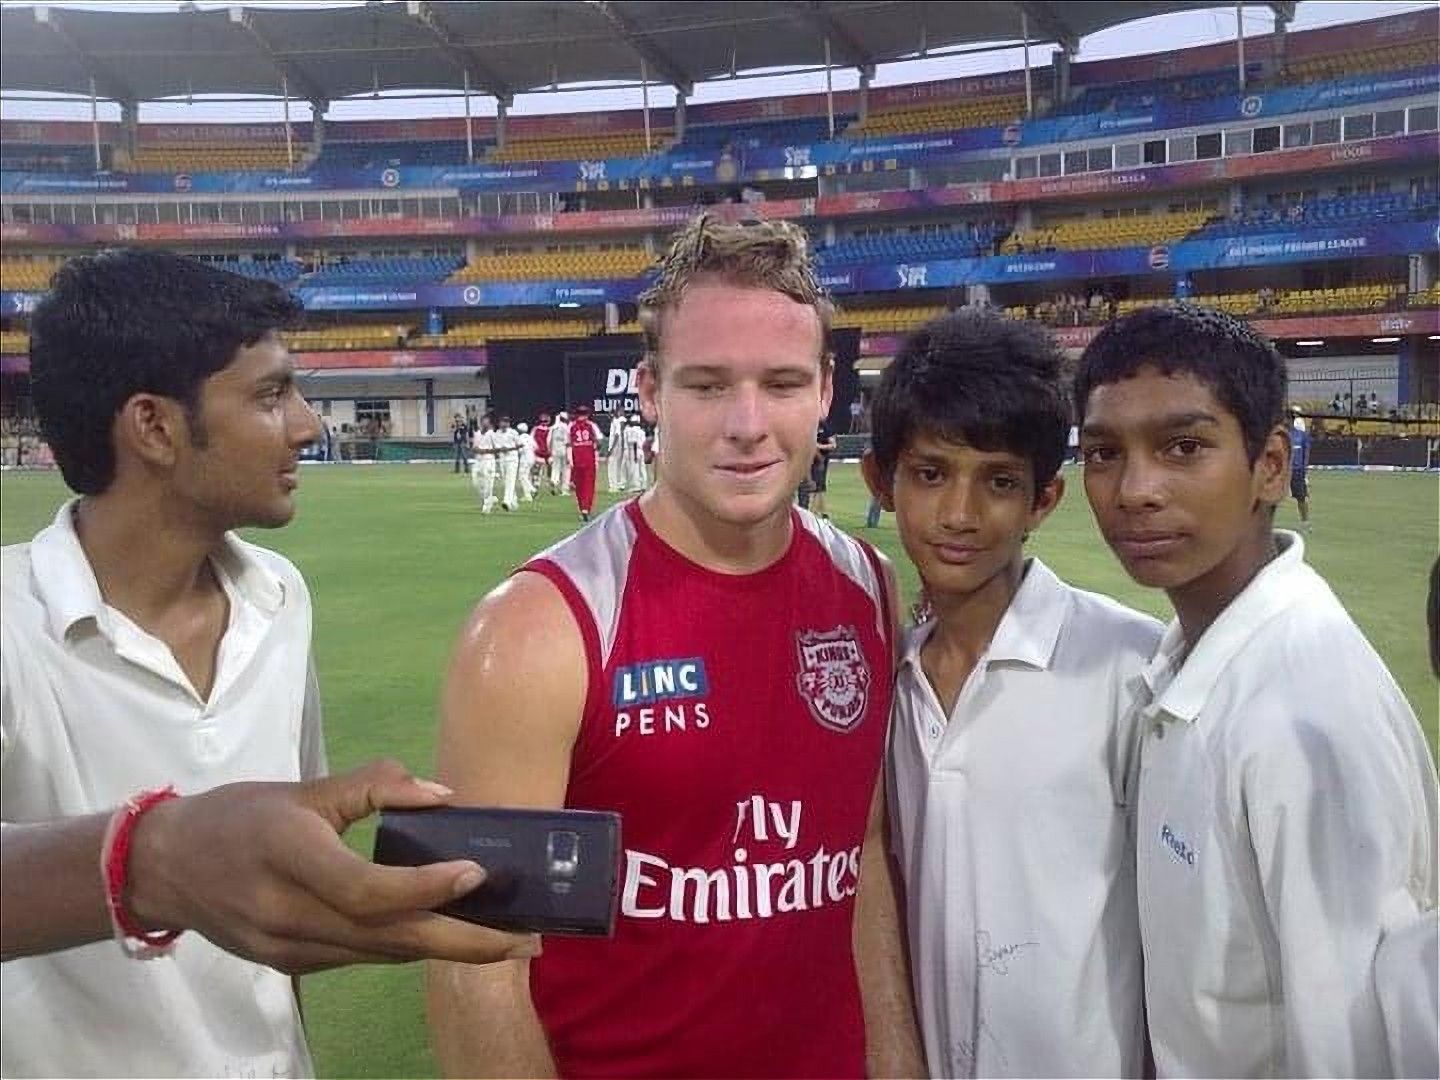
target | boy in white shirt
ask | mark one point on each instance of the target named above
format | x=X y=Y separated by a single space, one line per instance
x=507 y=446
x=527 y=463
x=1012 y=750
x=1287 y=797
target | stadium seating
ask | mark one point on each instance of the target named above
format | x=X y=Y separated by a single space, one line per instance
x=913 y=120
x=547 y=265
x=1284 y=303
x=14 y=341
x=478 y=332
x=621 y=144
x=280 y=271
x=887 y=320
x=1340 y=65
x=208 y=157
x=1335 y=210
x=27 y=275
x=1086 y=233
x=347 y=336
x=754 y=136
x=375 y=155
x=1426 y=297
x=38 y=157
x=396 y=272
x=1147 y=93
x=959 y=242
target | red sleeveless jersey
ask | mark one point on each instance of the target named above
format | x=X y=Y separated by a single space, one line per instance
x=737 y=723
x=542 y=440
x=583 y=437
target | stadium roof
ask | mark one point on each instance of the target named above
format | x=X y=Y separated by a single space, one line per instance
x=507 y=46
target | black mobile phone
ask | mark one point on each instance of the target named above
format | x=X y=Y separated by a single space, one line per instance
x=547 y=871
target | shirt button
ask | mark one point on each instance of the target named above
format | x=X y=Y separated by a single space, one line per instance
x=934 y=731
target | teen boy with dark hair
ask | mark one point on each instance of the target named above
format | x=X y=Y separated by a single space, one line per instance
x=1010 y=753
x=1287 y=797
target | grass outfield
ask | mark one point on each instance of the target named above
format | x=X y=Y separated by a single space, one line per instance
x=396 y=555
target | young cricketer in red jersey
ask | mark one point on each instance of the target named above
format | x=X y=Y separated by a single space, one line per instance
x=584 y=443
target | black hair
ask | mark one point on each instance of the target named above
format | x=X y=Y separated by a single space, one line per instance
x=1238 y=364
x=133 y=321
x=977 y=377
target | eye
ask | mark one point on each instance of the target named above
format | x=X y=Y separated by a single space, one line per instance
x=928 y=475
x=1185 y=447
x=1100 y=455
x=1005 y=482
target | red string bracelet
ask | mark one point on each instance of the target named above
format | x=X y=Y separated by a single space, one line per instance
x=137 y=942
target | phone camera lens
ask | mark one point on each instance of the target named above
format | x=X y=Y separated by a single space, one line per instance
x=563 y=849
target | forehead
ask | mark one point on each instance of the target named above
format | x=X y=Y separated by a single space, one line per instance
x=1149 y=396
x=267 y=358
x=932 y=446
x=718 y=323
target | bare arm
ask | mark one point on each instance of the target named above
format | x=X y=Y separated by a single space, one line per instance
x=510 y=712
x=259 y=869
x=892 y=1040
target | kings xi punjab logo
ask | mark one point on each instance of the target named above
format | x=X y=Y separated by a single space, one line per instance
x=834 y=678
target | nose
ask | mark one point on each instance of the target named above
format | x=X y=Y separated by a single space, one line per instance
x=305 y=426
x=1141 y=484
x=958 y=505
x=745 y=415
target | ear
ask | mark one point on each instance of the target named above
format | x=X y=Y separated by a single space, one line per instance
x=1046 y=499
x=1272 y=468
x=870 y=469
x=153 y=428
x=647 y=386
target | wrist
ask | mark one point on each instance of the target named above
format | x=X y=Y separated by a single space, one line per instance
x=150 y=896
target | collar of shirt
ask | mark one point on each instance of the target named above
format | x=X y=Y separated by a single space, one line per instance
x=66 y=585
x=1178 y=684
x=1029 y=629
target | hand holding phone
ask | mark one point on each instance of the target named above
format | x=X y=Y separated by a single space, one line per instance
x=546 y=871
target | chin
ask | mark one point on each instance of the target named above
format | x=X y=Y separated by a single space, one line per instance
x=1154 y=575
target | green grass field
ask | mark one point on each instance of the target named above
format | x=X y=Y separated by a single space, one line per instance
x=396 y=555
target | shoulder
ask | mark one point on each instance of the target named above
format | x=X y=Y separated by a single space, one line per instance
x=21 y=612
x=277 y=566
x=1112 y=625
x=15 y=570
x=848 y=555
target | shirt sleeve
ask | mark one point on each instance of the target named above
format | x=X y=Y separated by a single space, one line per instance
x=313 y=760
x=1336 y=813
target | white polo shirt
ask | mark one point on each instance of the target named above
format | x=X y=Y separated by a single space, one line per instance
x=1013 y=834
x=1287 y=802
x=94 y=709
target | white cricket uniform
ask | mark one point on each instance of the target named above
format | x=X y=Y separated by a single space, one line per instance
x=484 y=469
x=560 y=456
x=94 y=709
x=1012 y=820
x=635 y=478
x=507 y=442
x=614 y=455
x=1407 y=978
x=1287 y=808
x=527 y=466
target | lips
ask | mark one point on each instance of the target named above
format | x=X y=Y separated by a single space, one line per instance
x=957 y=554
x=747 y=470
x=1152 y=544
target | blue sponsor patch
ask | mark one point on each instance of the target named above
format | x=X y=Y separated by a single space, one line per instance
x=659 y=680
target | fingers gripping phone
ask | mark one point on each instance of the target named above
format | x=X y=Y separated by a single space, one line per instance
x=547 y=871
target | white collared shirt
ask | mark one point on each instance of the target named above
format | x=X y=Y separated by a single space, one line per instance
x=1287 y=801
x=1012 y=829
x=93 y=710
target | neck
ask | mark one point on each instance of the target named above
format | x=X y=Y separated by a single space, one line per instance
x=1198 y=604
x=146 y=558
x=726 y=548
x=966 y=622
